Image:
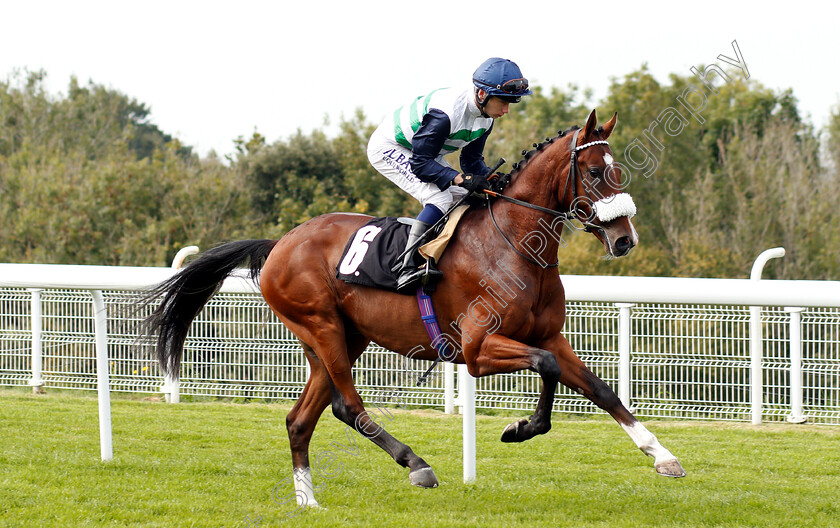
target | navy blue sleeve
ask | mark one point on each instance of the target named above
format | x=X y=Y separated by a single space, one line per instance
x=472 y=158
x=426 y=145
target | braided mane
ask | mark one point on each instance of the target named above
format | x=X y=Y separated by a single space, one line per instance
x=528 y=154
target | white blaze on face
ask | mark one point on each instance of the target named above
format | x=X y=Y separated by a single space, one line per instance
x=608 y=159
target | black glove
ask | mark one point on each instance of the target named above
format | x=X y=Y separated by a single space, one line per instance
x=499 y=181
x=474 y=183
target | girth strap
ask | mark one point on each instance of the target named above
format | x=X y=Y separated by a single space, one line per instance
x=427 y=314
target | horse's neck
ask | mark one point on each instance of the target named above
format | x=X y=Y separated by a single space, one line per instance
x=542 y=175
x=539 y=182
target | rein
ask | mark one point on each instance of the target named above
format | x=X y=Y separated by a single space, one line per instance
x=530 y=206
x=574 y=171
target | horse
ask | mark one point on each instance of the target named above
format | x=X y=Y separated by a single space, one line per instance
x=503 y=302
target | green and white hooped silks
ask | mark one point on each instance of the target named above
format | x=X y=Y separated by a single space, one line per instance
x=389 y=148
x=466 y=121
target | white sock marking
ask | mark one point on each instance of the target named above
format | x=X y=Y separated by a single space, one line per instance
x=304 y=491
x=648 y=443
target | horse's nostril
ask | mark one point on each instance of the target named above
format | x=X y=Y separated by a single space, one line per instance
x=623 y=244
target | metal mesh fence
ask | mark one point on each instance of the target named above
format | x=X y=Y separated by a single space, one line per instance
x=687 y=361
x=15 y=337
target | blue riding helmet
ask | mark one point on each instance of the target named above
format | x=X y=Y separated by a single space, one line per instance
x=501 y=78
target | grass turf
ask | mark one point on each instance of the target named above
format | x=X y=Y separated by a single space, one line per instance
x=225 y=464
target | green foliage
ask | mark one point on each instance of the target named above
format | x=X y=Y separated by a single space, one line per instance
x=89 y=120
x=294 y=180
x=88 y=178
x=703 y=210
x=833 y=141
x=767 y=190
x=367 y=190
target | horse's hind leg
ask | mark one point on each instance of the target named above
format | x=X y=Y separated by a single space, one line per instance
x=337 y=352
x=304 y=416
x=300 y=423
x=579 y=378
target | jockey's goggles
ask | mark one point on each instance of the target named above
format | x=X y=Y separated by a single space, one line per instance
x=511 y=87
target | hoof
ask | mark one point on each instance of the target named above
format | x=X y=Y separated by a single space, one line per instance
x=670 y=468
x=423 y=477
x=512 y=432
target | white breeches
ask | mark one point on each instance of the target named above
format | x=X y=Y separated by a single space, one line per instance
x=392 y=161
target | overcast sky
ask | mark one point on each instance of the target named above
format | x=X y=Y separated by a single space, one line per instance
x=212 y=71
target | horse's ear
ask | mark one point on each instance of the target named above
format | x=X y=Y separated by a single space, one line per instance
x=610 y=125
x=589 y=128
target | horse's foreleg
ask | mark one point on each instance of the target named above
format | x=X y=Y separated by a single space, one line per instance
x=579 y=378
x=499 y=354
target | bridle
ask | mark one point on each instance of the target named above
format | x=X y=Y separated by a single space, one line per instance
x=574 y=174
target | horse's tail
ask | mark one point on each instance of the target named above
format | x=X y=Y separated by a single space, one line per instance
x=186 y=293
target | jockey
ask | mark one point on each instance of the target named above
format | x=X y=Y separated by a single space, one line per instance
x=408 y=147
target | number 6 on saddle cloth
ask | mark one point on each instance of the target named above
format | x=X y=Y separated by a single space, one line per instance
x=372 y=254
x=373 y=251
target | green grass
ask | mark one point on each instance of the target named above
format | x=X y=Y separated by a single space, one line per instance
x=215 y=463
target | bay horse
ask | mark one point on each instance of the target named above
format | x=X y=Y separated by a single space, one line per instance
x=503 y=301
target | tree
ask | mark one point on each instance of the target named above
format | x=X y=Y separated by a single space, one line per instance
x=667 y=150
x=767 y=190
x=74 y=188
x=90 y=119
x=88 y=179
x=833 y=141
x=295 y=180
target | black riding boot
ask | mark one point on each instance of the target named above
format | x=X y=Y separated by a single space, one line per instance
x=409 y=274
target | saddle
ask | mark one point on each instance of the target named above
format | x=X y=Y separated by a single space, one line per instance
x=375 y=248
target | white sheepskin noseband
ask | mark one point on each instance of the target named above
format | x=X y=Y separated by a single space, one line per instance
x=617 y=205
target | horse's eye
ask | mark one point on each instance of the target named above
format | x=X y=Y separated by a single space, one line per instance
x=595 y=172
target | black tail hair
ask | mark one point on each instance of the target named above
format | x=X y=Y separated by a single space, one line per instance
x=186 y=293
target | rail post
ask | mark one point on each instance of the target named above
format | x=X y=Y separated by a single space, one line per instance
x=103 y=382
x=796 y=412
x=466 y=397
x=624 y=313
x=757 y=339
x=182 y=254
x=171 y=388
x=449 y=388
x=37 y=381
